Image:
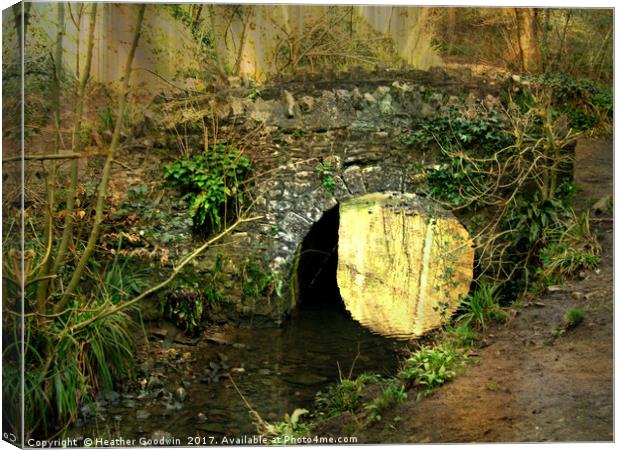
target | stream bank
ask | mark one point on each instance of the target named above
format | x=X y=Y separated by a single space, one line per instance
x=183 y=386
x=527 y=384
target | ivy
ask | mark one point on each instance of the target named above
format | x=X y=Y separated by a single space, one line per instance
x=585 y=103
x=455 y=182
x=211 y=182
x=486 y=134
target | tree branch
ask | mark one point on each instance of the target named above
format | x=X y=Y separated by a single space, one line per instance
x=164 y=283
x=75 y=143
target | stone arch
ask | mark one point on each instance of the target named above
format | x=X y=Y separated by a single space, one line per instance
x=357 y=124
x=296 y=200
x=297 y=206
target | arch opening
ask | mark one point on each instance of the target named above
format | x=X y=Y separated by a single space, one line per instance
x=395 y=262
x=317 y=265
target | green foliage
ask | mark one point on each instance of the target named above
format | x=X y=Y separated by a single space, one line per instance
x=579 y=234
x=326 y=173
x=258 y=280
x=211 y=182
x=568 y=251
x=254 y=92
x=530 y=219
x=106 y=119
x=481 y=306
x=429 y=368
x=64 y=371
x=453 y=130
x=561 y=260
x=186 y=307
x=345 y=395
x=392 y=393
x=456 y=182
x=118 y=282
x=586 y=104
x=291 y=427
x=573 y=317
x=188 y=303
x=460 y=335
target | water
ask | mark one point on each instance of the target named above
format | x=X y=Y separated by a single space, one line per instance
x=277 y=370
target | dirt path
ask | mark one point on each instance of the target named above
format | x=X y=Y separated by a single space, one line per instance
x=526 y=384
x=593 y=170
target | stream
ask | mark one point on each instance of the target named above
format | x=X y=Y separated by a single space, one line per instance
x=183 y=391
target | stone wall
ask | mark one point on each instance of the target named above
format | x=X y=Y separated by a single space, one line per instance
x=351 y=124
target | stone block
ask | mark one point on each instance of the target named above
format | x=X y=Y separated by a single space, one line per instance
x=374 y=179
x=357 y=100
x=354 y=180
x=290 y=104
x=294 y=227
x=340 y=191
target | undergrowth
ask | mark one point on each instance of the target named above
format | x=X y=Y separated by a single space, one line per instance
x=482 y=306
x=188 y=302
x=64 y=371
x=429 y=368
x=588 y=106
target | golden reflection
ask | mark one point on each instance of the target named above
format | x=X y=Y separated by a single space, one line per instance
x=403 y=263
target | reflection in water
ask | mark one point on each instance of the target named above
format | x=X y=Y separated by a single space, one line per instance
x=402 y=263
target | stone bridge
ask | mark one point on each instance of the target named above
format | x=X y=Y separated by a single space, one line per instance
x=322 y=143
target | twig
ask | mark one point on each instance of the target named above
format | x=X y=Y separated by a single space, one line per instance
x=42 y=157
x=354 y=360
x=265 y=425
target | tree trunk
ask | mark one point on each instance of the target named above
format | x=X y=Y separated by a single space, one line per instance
x=544 y=40
x=529 y=43
x=219 y=57
x=42 y=287
x=75 y=141
x=559 y=55
x=245 y=16
x=450 y=26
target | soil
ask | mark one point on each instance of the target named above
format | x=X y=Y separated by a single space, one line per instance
x=525 y=384
x=593 y=171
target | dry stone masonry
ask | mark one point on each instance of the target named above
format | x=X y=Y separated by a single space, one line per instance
x=325 y=143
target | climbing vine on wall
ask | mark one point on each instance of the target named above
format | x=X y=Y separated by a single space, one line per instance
x=212 y=183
